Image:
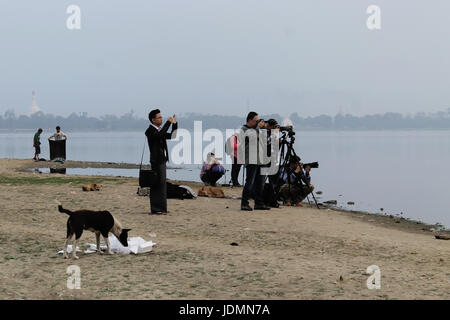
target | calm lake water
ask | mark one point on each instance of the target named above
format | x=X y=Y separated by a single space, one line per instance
x=401 y=171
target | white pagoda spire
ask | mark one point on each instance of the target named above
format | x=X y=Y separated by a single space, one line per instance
x=34 y=107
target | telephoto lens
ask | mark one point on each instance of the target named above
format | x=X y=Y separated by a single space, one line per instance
x=311 y=164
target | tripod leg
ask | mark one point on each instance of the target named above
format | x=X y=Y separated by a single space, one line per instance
x=312 y=194
x=317 y=205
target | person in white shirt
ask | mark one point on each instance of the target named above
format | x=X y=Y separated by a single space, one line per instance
x=58 y=135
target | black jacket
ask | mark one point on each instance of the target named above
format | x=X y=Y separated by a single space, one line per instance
x=157 y=142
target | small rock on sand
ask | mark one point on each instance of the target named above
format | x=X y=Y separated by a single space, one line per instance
x=331 y=202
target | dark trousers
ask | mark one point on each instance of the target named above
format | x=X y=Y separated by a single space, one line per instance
x=211 y=177
x=295 y=193
x=158 y=193
x=254 y=185
x=235 y=168
x=271 y=196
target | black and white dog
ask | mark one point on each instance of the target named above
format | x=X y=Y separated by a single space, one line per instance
x=100 y=222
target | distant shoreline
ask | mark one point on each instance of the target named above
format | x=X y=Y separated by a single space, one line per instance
x=2 y=131
x=130 y=121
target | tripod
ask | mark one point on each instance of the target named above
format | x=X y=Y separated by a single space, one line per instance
x=287 y=153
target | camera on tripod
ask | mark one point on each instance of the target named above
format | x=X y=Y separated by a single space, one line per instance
x=288 y=157
x=296 y=159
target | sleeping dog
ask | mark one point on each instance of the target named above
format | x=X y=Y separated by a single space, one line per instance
x=100 y=222
x=91 y=187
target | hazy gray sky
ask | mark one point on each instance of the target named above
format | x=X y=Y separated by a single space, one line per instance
x=211 y=56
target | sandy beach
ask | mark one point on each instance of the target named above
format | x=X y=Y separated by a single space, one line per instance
x=286 y=253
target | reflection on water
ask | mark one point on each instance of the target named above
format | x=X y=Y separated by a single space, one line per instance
x=113 y=172
x=59 y=170
x=189 y=174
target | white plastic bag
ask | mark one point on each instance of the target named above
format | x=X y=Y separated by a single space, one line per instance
x=136 y=245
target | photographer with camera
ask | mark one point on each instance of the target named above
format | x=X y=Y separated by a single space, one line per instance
x=254 y=183
x=270 y=194
x=298 y=185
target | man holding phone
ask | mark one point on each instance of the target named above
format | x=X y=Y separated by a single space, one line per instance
x=159 y=155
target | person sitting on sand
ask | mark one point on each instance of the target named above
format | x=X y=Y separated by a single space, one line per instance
x=58 y=135
x=212 y=170
x=299 y=185
x=37 y=144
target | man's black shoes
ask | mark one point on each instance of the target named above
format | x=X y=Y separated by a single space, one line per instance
x=257 y=207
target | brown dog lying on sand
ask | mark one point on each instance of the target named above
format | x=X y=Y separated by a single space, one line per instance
x=92 y=187
x=208 y=191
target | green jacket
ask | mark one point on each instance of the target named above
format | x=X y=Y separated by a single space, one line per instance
x=36 y=139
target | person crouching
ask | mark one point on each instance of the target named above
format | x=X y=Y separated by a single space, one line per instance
x=212 y=170
x=299 y=184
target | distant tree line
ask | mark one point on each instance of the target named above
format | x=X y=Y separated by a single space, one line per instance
x=130 y=122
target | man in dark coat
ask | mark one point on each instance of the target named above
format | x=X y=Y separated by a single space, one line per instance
x=159 y=155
